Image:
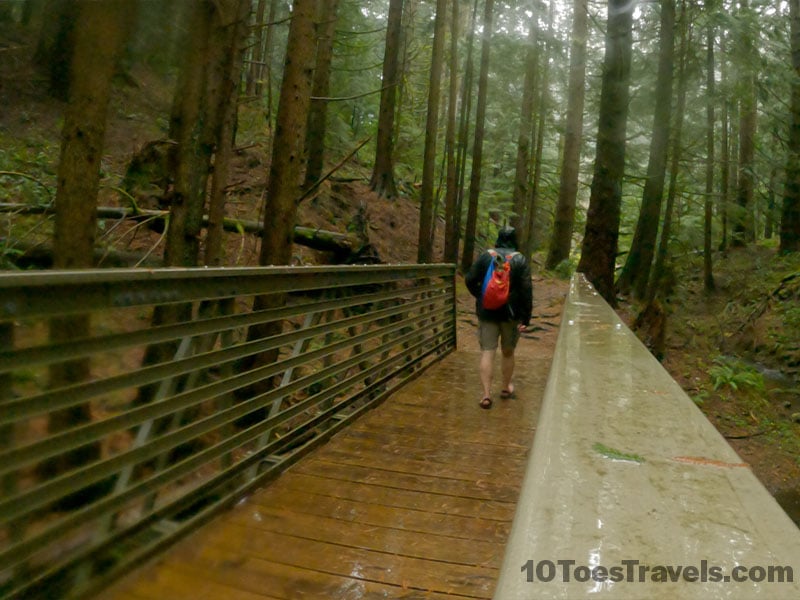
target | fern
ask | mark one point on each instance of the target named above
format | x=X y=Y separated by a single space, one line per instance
x=735 y=375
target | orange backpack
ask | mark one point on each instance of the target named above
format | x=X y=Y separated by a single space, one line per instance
x=497 y=281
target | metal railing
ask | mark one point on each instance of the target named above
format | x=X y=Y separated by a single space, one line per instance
x=134 y=404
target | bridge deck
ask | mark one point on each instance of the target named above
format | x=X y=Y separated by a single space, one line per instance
x=415 y=500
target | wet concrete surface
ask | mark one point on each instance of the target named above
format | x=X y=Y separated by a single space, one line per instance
x=628 y=474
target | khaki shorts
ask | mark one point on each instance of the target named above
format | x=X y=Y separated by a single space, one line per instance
x=490 y=331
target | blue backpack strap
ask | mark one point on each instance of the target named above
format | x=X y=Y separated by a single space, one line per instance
x=489 y=271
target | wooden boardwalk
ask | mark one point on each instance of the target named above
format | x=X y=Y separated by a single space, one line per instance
x=415 y=500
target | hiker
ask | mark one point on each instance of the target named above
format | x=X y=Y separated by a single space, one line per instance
x=510 y=319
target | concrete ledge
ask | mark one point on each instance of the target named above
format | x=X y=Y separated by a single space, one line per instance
x=628 y=479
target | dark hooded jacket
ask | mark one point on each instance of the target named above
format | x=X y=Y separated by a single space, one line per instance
x=520 y=301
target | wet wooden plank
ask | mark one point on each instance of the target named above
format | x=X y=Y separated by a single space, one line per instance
x=477 y=432
x=499 y=446
x=244 y=558
x=176 y=584
x=263 y=580
x=396 y=497
x=481 y=490
x=414 y=500
x=435 y=547
x=461 y=469
x=439 y=450
x=420 y=521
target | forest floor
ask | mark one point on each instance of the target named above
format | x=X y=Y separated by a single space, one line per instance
x=736 y=352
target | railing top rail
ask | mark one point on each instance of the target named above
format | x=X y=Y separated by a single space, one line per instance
x=37 y=294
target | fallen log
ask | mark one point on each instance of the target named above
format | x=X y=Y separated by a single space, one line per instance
x=343 y=245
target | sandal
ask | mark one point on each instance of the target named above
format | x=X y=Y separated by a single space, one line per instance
x=486 y=402
x=509 y=393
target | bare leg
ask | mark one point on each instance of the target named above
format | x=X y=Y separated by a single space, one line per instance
x=507 y=366
x=487 y=362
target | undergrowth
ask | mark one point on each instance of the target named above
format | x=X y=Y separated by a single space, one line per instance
x=736 y=351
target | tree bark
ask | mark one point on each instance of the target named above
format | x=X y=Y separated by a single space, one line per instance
x=426 y=212
x=656 y=285
x=561 y=241
x=636 y=272
x=769 y=217
x=599 y=248
x=97 y=46
x=287 y=166
x=382 y=180
x=463 y=129
x=227 y=111
x=33 y=14
x=189 y=115
x=523 y=164
x=477 y=148
x=318 y=113
x=285 y=177
x=56 y=45
x=325 y=28
x=708 y=213
x=790 y=214
x=528 y=239
x=451 y=184
x=744 y=228
x=255 y=69
x=725 y=151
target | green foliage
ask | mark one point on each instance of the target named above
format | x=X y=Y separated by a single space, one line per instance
x=615 y=454
x=26 y=175
x=735 y=374
x=700 y=397
x=566 y=267
x=7 y=255
x=791 y=317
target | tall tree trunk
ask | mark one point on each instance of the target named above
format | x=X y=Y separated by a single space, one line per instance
x=265 y=80
x=477 y=149
x=744 y=229
x=286 y=170
x=318 y=113
x=227 y=111
x=56 y=44
x=769 y=217
x=192 y=156
x=256 y=66
x=522 y=169
x=636 y=272
x=97 y=46
x=33 y=14
x=657 y=277
x=561 y=241
x=528 y=239
x=725 y=151
x=197 y=114
x=195 y=126
x=451 y=195
x=708 y=216
x=790 y=214
x=286 y=167
x=463 y=130
x=599 y=250
x=426 y=212
x=382 y=180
